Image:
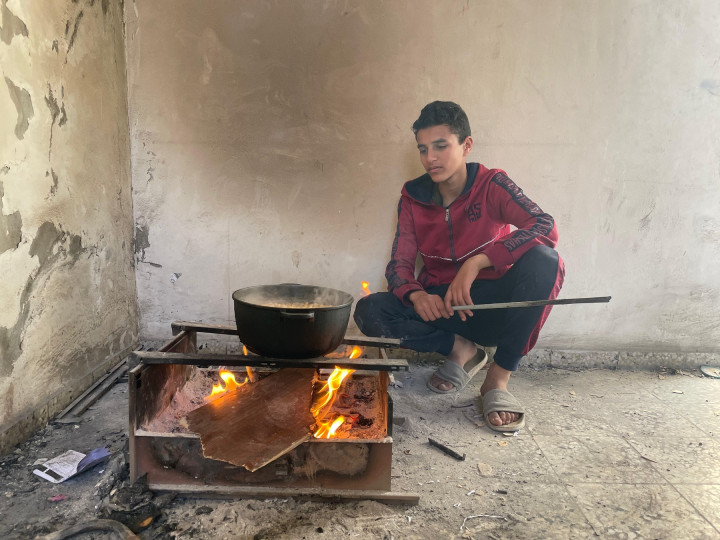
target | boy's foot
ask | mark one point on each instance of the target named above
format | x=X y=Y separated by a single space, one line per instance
x=497 y=378
x=463 y=351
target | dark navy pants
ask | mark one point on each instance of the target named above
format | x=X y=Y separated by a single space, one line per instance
x=537 y=275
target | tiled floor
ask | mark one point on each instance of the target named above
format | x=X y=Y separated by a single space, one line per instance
x=616 y=454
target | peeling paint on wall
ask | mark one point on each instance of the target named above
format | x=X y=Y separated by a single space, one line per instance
x=23 y=103
x=55 y=112
x=142 y=240
x=54 y=248
x=12 y=24
x=71 y=42
x=10 y=227
x=53 y=188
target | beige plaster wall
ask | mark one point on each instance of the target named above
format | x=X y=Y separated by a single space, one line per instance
x=67 y=293
x=270 y=141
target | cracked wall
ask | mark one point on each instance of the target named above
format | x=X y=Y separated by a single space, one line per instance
x=270 y=141
x=67 y=297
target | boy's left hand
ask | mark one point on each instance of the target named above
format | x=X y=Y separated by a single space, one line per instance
x=458 y=293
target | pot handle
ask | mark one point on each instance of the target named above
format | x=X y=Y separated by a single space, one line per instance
x=300 y=315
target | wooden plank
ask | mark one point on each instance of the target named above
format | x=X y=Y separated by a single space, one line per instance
x=258 y=423
x=371 y=341
x=189 y=326
x=212 y=359
x=254 y=492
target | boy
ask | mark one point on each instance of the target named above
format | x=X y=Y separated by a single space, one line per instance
x=458 y=217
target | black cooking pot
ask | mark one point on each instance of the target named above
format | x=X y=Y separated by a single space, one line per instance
x=290 y=320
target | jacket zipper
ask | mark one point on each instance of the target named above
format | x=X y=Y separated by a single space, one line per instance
x=452 y=245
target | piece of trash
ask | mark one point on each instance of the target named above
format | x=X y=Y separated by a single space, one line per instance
x=456 y=505
x=596 y=395
x=39 y=461
x=146 y=522
x=474 y=418
x=710 y=371
x=70 y=463
x=396 y=384
x=572 y=392
x=9 y=494
x=502 y=443
x=485 y=469
x=678 y=392
x=406 y=452
x=58 y=498
x=479 y=516
x=648 y=458
x=471 y=492
x=409 y=518
x=510 y=433
x=661 y=377
x=175 y=276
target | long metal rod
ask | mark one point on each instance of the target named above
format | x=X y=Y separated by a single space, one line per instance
x=533 y=303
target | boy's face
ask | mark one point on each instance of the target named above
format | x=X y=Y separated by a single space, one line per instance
x=442 y=154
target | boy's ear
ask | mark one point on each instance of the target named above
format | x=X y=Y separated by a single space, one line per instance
x=467 y=145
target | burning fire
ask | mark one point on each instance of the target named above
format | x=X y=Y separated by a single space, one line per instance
x=365 y=287
x=324 y=400
x=230 y=384
x=328 y=429
x=349 y=352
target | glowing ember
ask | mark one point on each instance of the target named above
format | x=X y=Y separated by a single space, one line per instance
x=250 y=374
x=328 y=429
x=245 y=351
x=230 y=384
x=365 y=287
x=324 y=400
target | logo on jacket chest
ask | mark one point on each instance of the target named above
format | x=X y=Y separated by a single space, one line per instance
x=473 y=212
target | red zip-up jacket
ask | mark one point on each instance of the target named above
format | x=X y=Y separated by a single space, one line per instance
x=478 y=221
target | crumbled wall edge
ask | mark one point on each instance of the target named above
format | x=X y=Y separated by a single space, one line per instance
x=20 y=428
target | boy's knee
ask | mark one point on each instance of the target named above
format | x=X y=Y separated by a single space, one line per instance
x=364 y=309
x=541 y=262
x=542 y=256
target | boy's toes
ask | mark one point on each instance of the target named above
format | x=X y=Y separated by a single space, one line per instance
x=502 y=418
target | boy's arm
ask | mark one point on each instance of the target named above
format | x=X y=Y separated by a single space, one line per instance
x=508 y=204
x=400 y=271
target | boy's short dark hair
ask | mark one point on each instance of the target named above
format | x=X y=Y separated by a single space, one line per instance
x=447 y=113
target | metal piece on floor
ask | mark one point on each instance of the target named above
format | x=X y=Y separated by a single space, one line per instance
x=71 y=414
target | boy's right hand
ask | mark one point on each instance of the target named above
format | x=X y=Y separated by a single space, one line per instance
x=430 y=307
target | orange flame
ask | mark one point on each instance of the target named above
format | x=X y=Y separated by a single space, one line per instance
x=230 y=384
x=328 y=429
x=365 y=287
x=250 y=374
x=356 y=352
x=245 y=351
x=324 y=400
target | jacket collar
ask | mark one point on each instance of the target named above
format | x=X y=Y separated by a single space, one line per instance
x=422 y=188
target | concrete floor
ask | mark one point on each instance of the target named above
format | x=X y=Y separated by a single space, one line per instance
x=610 y=454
